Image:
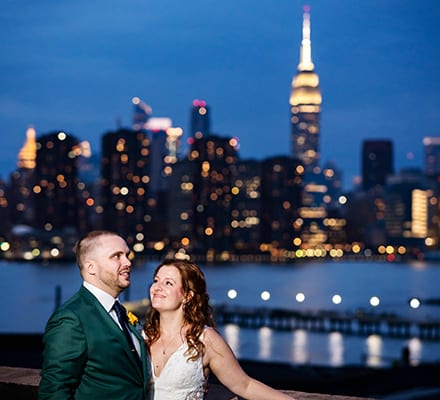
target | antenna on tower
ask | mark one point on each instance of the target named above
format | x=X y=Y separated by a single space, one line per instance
x=142 y=113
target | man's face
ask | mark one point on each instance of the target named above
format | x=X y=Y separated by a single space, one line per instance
x=109 y=267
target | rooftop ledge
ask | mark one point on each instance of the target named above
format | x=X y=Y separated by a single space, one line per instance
x=22 y=384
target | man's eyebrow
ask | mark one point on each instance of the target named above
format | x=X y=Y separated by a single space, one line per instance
x=118 y=253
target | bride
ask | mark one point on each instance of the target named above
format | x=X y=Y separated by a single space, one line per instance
x=183 y=343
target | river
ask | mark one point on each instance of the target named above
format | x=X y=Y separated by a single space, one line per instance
x=28 y=297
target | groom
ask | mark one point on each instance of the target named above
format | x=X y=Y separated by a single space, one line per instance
x=87 y=354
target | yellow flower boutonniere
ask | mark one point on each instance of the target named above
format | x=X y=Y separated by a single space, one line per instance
x=132 y=318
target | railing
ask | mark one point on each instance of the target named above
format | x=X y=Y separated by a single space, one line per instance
x=22 y=384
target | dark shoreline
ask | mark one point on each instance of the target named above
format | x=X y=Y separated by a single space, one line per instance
x=24 y=351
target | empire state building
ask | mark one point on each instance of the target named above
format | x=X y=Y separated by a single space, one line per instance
x=305 y=103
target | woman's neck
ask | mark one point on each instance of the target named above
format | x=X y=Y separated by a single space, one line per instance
x=170 y=324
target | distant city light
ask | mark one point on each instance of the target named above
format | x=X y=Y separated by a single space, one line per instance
x=265 y=295
x=54 y=252
x=414 y=302
x=342 y=199
x=374 y=301
x=300 y=297
x=337 y=299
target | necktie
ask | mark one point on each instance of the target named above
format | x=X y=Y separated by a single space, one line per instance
x=121 y=312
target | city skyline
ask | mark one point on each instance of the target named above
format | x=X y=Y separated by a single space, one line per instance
x=76 y=67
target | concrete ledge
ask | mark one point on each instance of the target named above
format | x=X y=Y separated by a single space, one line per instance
x=22 y=384
x=19 y=383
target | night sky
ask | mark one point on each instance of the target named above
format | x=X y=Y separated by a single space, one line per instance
x=75 y=66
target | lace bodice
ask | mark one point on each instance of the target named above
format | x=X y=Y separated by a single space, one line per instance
x=180 y=379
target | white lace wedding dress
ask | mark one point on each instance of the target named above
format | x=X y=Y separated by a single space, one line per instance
x=180 y=379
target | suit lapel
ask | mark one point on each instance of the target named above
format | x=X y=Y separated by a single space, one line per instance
x=114 y=329
x=146 y=367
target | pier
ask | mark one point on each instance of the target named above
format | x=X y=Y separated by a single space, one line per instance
x=356 y=323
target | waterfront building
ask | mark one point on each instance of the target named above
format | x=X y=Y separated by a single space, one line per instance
x=431 y=145
x=181 y=208
x=156 y=129
x=57 y=184
x=411 y=204
x=214 y=159
x=20 y=193
x=200 y=119
x=4 y=213
x=281 y=191
x=365 y=218
x=128 y=207
x=377 y=162
x=141 y=113
x=246 y=211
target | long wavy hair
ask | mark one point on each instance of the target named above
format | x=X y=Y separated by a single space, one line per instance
x=197 y=311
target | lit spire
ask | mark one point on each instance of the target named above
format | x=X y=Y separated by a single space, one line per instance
x=305 y=57
x=28 y=153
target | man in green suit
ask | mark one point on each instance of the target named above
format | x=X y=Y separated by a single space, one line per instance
x=86 y=353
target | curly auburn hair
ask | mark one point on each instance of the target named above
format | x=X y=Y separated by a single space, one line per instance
x=197 y=311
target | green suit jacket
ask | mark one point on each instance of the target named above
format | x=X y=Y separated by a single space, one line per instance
x=87 y=356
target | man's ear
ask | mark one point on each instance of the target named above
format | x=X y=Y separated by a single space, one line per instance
x=89 y=267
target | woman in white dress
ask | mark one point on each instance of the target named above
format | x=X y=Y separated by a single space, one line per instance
x=183 y=344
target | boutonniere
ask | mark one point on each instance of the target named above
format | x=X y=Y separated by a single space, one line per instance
x=132 y=318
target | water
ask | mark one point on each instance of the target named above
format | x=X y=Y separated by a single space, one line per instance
x=27 y=295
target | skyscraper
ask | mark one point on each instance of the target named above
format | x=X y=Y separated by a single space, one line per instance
x=305 y=102
x=58 y=206
x=127 y=205
x=214 y=158
x=431 y=146
x=200 y=119
x=377 y=162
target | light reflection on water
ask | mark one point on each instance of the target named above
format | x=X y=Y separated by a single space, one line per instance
x=336 y=349
x=301 y=347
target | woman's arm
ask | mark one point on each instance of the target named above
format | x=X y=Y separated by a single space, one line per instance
x=222 y=362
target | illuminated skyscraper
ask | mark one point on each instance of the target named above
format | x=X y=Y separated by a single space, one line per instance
x=58 y=206
x=305 y=102
x=214 y=158
x=127 y=206
x=432 y=156
x=200 y=119
x=28 y=153
x=141 y=113
x=22 y=182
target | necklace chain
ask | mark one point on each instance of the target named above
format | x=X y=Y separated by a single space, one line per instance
x=164 y=349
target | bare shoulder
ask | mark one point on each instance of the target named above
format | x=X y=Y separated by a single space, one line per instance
x=211 y=336
x=215 y=345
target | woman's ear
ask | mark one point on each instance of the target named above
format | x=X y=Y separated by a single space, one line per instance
x=189 y=296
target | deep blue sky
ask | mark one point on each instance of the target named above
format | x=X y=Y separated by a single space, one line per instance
x=75 y=65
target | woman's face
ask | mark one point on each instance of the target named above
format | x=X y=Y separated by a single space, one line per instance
x=166 y=291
